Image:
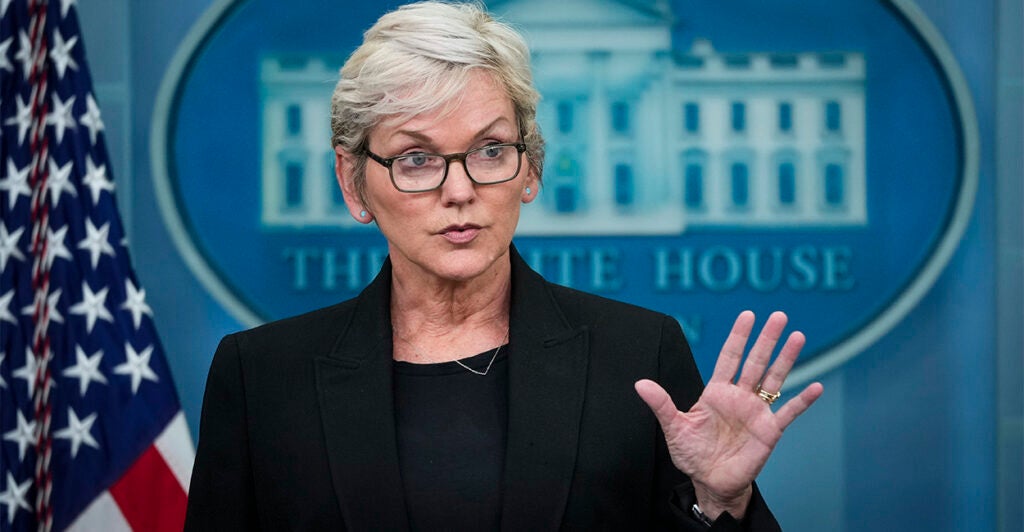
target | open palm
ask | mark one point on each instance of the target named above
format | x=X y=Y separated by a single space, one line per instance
x=725 y=439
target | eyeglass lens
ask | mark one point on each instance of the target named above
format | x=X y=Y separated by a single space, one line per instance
x=489 y=164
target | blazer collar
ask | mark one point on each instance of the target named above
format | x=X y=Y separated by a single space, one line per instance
x=357 y=410
x=547 y=380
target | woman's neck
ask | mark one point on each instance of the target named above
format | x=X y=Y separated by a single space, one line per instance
x=438 y=320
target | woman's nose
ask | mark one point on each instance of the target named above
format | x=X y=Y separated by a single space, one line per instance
x=458 y=188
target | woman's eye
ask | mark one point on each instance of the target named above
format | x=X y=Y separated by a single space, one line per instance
x=492 y=151
x=416 y=159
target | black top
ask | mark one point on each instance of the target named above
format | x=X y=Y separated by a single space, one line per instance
x=298 y=426
x=451 y=430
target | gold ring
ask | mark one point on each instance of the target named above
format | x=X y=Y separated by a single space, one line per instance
x=767 y=396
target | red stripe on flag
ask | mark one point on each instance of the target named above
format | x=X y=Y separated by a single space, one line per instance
x=150 y=496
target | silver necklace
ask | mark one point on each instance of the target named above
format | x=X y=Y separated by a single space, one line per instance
x=467 y=368
x=484 y=372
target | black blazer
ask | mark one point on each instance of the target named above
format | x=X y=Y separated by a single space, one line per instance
x=298 y=430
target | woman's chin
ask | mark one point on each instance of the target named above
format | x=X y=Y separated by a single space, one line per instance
x=462 y=265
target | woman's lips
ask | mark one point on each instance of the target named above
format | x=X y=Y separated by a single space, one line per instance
x=460 y=234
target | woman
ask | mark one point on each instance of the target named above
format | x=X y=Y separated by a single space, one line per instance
x=460 y=390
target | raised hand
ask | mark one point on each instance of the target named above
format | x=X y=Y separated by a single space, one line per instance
x=725 y=439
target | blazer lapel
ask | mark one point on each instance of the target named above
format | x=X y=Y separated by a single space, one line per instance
x=357 y=408
x=547 y=382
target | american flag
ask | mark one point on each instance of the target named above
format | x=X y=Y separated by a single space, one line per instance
x=93 y=437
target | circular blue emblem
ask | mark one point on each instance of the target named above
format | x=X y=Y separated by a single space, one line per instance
x=815 y=157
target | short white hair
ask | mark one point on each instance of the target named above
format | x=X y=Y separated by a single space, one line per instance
x=418 y=59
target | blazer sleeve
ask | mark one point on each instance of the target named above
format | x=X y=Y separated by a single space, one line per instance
x=221 y=493
x=678 y=374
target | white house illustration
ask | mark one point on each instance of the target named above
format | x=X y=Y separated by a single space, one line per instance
x=641 y=138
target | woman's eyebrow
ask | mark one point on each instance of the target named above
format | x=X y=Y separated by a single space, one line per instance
x=426 y=139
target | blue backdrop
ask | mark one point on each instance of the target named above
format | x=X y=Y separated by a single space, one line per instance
x=905 y=435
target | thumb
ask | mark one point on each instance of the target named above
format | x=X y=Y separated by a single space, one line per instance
x=659 y=402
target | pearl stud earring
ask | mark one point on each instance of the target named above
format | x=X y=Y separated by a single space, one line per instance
x=527 y=191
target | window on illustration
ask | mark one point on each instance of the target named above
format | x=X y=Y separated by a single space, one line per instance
x=293 y=185
x=623 y=184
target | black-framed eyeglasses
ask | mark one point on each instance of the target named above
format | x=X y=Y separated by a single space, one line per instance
x=423 y=172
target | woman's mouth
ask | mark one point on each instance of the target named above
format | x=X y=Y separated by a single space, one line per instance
x=460 y=234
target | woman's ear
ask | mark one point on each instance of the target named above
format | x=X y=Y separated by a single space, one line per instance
x=532 y=186
x=344 y=171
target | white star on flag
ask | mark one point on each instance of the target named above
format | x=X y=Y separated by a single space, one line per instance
x=91 y=118
x=3 y=6
x=96 y=241
x=65 y=6
x=9 y=245
x=96 y=179
x=135 y=302
x=137 y=366
x=61 y=54
x=5 y=64
x=59 y=181
x=87 y=369
x=24 y=435
x=5 y=307
x=78 y=432
x=52 y=313
x=60 y=118
x=22 y=118
x=93 y=306
x=3 y=383
x=14 y=497
x=16 y=183
x=55 y=248
x=28 y=372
